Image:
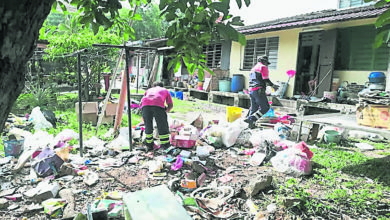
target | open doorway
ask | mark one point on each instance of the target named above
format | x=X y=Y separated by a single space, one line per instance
x=307 y=65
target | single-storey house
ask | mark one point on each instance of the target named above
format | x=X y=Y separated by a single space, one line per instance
x=330 y=46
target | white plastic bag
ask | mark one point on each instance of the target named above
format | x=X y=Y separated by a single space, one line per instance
x=66 y=135
x=292 y=161
x=121 y=141
x=232 y=131
x=259 y=137
x=39 y=120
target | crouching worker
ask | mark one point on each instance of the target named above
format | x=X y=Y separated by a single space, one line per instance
x=153 y=107
x=258 y=80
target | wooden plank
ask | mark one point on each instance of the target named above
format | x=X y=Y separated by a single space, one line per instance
x=157 y=203
x=206 y=84
x=101 y=115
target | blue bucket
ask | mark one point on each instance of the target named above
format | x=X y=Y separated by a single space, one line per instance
x=13 y=147
x=179 y=95
x=237 y=83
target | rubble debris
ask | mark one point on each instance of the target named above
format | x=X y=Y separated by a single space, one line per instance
x=257 y=184
x=43 y=191
x=67 y=194
x=4 y=203
x=7 y=192
x=257 y=159
x=91 y=178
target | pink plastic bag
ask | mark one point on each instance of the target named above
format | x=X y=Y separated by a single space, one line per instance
x=294 y=160
x=178 y=164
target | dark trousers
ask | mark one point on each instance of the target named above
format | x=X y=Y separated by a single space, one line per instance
x=158 y=113
x=259 y=103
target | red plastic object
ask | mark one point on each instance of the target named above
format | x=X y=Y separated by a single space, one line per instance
x=183 y=142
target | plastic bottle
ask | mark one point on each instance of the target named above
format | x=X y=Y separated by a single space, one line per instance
x=36 y=180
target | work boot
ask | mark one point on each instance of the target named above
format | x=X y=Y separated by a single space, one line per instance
x=165 y=146
x=252 y=125
x=149 y=146
x=251 y=120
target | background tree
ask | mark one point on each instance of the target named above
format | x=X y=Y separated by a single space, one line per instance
x=152 y=25
x=69 y=37
x=193 y=23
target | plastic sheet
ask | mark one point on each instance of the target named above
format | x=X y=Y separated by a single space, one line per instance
x=232 y=131
x=294 y=160
x=39 y=120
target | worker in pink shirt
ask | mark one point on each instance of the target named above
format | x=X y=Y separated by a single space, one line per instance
x=258 y=80
x=153 y=106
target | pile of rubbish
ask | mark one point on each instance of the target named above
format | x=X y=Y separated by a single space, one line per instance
x=213 y=169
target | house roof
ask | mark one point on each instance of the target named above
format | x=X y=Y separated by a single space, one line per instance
x=314 y=18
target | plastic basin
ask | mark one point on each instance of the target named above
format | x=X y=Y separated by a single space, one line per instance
x=332 y=136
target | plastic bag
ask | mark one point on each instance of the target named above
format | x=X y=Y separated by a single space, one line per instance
x=259 y=137
x=198 y=122
x=232 y=131
x=269 y=114
x=39 y=120
x=122 y=141
x=294 y=161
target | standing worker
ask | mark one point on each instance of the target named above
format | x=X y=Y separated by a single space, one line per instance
x=258 y=80
x=153 y=106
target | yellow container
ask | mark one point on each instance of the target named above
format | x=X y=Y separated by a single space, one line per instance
x=233 y=113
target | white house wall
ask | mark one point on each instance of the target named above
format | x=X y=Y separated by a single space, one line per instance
x=287 y=56
x=288 y=52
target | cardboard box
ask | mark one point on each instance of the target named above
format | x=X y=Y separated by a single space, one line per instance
x=90 y=112
x=108 y=120
x=111 y=109
x=376 y=116
x=88 y=107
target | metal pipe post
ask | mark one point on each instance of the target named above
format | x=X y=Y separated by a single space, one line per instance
x=128 y=65
x=80 y=106
x=138 y=64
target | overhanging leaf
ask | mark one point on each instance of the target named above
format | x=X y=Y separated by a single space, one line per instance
x=247 y=2
x=95 y=28
x=200 y=73
x=239 y=3
x=378 y=4
x=177 y=66
x=383 y=18
x=242 y=39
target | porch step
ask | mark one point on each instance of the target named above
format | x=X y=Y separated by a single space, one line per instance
x=284 y=110
x=288 y=103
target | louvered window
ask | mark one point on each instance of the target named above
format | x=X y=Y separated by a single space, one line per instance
x=259 y=47
x=143 y=61
x=355 y=50
x=213 y=53
x=352 y=3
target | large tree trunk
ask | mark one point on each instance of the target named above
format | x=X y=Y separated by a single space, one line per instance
x=20 y=21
